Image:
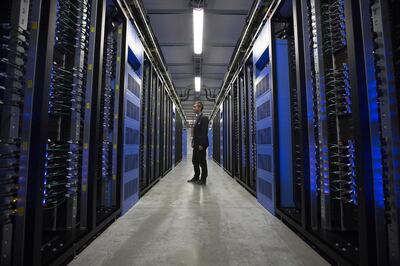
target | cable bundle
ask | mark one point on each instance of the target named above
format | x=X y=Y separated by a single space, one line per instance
x=72 y=25
x=339 y=96
x=345 y=186
x=62 y=161
x=312 y=24
x=108 y=112
x=13 y=50
x=338 y=25
x=65 y=94
x=66 y=102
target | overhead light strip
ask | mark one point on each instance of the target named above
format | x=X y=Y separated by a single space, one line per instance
x=198 y=23
x=197 y=83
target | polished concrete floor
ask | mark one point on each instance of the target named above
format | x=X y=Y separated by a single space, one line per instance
x=178 y=223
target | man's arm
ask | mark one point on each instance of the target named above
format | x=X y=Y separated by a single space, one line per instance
x=204 y=132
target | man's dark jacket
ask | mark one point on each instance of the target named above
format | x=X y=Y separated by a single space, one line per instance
x=200 y=132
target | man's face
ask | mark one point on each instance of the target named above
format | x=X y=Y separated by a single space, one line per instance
x=196 y=108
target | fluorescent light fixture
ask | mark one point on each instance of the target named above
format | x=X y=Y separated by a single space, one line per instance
x=197 y=83
x=198 y=19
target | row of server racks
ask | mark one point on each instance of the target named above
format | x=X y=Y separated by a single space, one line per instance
x=311 y=125
x=87 y=125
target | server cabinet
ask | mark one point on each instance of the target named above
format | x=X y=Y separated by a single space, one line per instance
x=250 y=132
x=107 y=184
x=162 y=130
x=173 y=135
x=57 y=183
x=347 y=201
x=157 y=136
x=19 y=44
x=265 y=122
x=289 y=174
x=221 y=122
x=210 y=142
x=131 y=94
x=165 y=130
x=378 y=97
x=145 y=156
x=229 y=135
x=243 y=116
x=234 y=128
x=216 y=138
x=178 y=139
x=242 y=138
x=70 y=107
x=185 y=142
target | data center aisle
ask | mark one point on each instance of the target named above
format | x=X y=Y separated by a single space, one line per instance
x=178 y=223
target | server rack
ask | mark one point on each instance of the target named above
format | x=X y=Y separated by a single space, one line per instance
x=19 y=43
x=131 y=118
x=250 y=132
x=173 y=133
x=321 y=197
x=178 y=139
x=326 y=103
x=145 y=137
x=184 y=142
x=243 y=135
x=57 y=190
x=158 y=130
x=216 y=138
x=265 y=117
x=210 y=142
x=70 y=104
x=237 y=128
x=221 y=122
x=346 y=201
x=110 y=108
x=159 y=88
x=379 y=32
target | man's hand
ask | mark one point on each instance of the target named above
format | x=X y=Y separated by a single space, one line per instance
x=200 y=148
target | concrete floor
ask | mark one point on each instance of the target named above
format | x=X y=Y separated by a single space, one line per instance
x=178 y=223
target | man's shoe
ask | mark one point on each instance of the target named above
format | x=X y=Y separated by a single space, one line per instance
x=193 y=180
x=201 y=182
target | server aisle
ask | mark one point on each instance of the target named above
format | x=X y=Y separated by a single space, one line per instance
x=179 y=223
x=73 y=105
x=324 y=92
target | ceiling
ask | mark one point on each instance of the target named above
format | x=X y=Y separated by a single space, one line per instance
x=172 y=24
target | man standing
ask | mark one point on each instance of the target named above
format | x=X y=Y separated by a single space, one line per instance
x=199 y=145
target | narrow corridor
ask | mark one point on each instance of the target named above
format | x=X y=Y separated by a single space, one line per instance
x=178 y=223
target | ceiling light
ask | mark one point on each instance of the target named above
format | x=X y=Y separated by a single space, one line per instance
x=198 y=19
x=197 y=83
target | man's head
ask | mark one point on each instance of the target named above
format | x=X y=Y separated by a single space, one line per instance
x=198 y=107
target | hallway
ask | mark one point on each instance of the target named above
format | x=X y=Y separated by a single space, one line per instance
x=178 y=223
